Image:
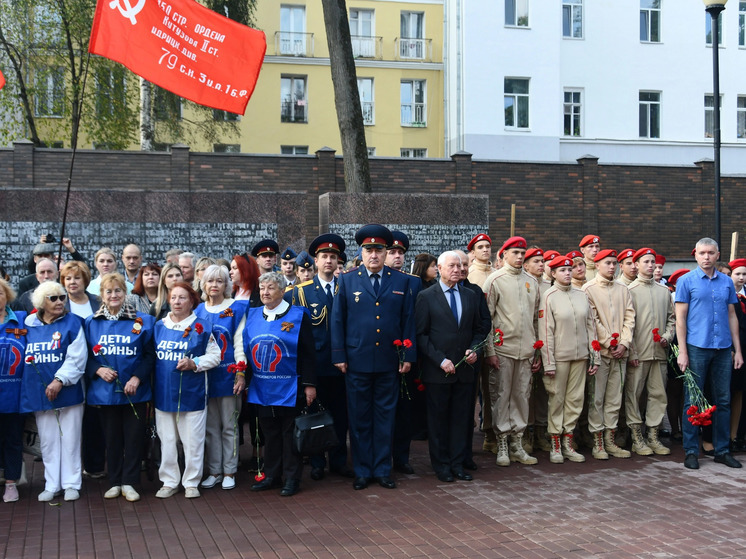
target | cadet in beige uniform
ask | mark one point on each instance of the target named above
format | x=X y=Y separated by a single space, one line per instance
x=614 y=315
x=480 y=248
x=590 y=245
x=534 y=264
x=513 y=302
x=578 y=268
x=567 y=329
x=653 y=310
x=627 y=266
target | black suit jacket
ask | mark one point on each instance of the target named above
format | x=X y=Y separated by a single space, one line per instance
x=439 y=337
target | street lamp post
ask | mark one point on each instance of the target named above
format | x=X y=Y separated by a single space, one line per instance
x=714 y=7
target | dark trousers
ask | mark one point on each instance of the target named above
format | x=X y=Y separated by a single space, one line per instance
x=93 y=442
x=403 y=420
x=332 y=394
x=11 y=443
x=279 y=458
x=371 y=400
x=124 y=433
x=448 y=407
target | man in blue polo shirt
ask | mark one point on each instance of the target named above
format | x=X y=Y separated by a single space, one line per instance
x=707 y=329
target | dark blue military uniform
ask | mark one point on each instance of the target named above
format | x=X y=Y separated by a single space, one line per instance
x=364 y=327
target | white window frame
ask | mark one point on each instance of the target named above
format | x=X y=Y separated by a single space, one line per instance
x=708 y=30
x=50 y=80
x=647 y=106
x=575 y=109
x=741 y=23
x=710 y=114
x=104 y=100
x=416 y=111
x=291 y=100
x=573 y=8
x=413 y=153
x=292 y=40
x=649 y=13
x=226 y=148
x=512 y=10
x=294 y=150
x=367 y=100
x=363 y=43
x=516 y=98
x=412 y=36
x=741 y=117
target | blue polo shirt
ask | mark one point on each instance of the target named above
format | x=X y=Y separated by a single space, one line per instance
x=708 y=298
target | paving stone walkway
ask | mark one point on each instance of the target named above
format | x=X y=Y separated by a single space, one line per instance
x=640 y=507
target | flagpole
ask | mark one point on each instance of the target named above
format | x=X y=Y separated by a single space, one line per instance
x=76 y=128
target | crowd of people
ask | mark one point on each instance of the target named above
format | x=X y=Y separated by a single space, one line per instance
x=552 y=352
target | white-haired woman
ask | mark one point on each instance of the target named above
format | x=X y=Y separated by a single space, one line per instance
x=56 y=356
x=224 y=387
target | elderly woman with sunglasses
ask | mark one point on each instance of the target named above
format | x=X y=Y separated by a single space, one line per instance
x=56 y=356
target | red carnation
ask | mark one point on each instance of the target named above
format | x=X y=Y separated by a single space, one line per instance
x=97 y=349
x=614 y=342
x=656 y=335
x=421 y=387
x=239 y=367
x=417 y=381
x=29 y=359
x=595 y=345
x=539 y=344
x=407 y=343
x=198 y=327
x=260 y=476
x=398 y=343
x=615 y=335
x=692 y=410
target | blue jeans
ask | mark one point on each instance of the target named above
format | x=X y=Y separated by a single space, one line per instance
x=715 y=365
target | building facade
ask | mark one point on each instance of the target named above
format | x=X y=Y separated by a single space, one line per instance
x=628 y=82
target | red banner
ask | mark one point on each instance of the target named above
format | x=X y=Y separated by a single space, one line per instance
x=182 y=46
x=2 y=80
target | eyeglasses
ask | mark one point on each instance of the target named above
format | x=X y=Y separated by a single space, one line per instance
x=55 y=298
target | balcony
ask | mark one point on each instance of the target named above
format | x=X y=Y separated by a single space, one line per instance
x=294 y=111
x=293 y=44
x=368 y=113
x=367 y=47
x=414 y=115
x=414 y=49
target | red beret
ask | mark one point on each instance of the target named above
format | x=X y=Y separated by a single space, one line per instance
x=643 y=252
x=550 y=254
x=605 y=254
x=530 y=253
x=676 y=275
x=737 y=263
x=694 y=251
x=660 y=259
x=574 y=254
x=512 y=242
x=589 y=239
x=624 y=254
x=475 y=240
x=560 y=261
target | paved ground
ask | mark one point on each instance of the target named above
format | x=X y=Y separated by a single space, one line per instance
x=640 y=507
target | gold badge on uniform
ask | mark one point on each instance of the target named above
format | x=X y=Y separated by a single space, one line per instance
x=528 y=287
x=357 y=295
x=541 y=314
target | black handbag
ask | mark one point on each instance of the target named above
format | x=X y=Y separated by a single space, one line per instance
x=314 y=432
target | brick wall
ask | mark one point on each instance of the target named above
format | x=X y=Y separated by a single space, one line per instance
x=666 y=207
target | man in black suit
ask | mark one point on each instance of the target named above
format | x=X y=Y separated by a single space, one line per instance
x=449 y=324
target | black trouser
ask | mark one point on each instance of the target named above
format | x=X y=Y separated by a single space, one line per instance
x=124 y=434
x=93 y=443
x=279 y=458
x=447 y=410
x=332 y=393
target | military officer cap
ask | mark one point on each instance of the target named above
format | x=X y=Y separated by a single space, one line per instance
x=374 y=235
x=328 y=242
x=289 y=254
x=400 y=241
x=304 y=260
x=265 y=246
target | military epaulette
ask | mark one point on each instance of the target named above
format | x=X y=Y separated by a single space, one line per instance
x=289 y=288
x=353 y=269
x=305 y=283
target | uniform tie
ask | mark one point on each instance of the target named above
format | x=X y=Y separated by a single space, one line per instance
x=376 y=283
x=329 y=294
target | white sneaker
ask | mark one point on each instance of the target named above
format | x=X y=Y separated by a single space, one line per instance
x=211 y=481
x=71 y=494
x=113 y=492
x=130 y=494
x=166 y=492
x=229 y=482
x=191 y=492
x=46 y=496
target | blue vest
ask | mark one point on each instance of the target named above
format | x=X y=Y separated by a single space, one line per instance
x=219 y=380
x=12 y=350
x=170 y=346
x=49 y=354
x=272 y=354
x=128 y=353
